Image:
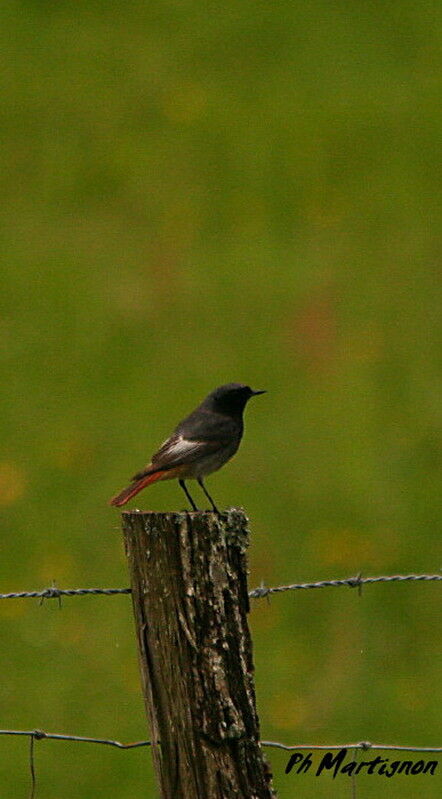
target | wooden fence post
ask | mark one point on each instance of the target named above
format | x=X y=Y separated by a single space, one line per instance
x=189 y=593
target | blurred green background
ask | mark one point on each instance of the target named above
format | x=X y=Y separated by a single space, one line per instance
x=193 y=194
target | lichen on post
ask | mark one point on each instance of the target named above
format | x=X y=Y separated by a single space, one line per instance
x=189 y=591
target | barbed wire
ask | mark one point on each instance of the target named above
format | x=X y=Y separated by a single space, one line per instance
x=260 y=591
x=53 y=592
x=56 y=593
x=351 y=582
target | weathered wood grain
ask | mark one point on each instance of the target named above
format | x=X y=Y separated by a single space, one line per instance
x=189 y=591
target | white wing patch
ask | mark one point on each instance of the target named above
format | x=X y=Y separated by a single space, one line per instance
x=179 y=446
x=178 y=450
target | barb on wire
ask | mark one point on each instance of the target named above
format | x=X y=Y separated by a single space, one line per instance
x=39 y=735
x=261 y=591
x=351 y=582
x=55 y=593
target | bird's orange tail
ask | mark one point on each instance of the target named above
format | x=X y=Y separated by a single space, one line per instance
x=134 y=488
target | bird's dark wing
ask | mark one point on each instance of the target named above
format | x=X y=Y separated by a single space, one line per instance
x=199 y=434
x=177 y=451
x=203 y=425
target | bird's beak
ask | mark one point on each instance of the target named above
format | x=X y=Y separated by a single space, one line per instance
x=255 y=393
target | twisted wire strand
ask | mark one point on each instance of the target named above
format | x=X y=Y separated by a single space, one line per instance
x=351 y=582
x=40 y=735
x=364 y=745
x=260 y=591
x=55 y=593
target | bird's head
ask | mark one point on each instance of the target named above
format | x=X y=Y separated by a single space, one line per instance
x=230 y=398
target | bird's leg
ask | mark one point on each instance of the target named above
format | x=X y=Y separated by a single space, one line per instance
x=183 y=486
x=200 y=480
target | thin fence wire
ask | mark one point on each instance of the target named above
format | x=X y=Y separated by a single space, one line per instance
x=53 y=592
x=350 y=582
x=56 y=593
x=40 y=735
x=364 y=745
x=257 y=593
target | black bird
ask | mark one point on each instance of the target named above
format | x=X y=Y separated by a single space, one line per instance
x=202 y=443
